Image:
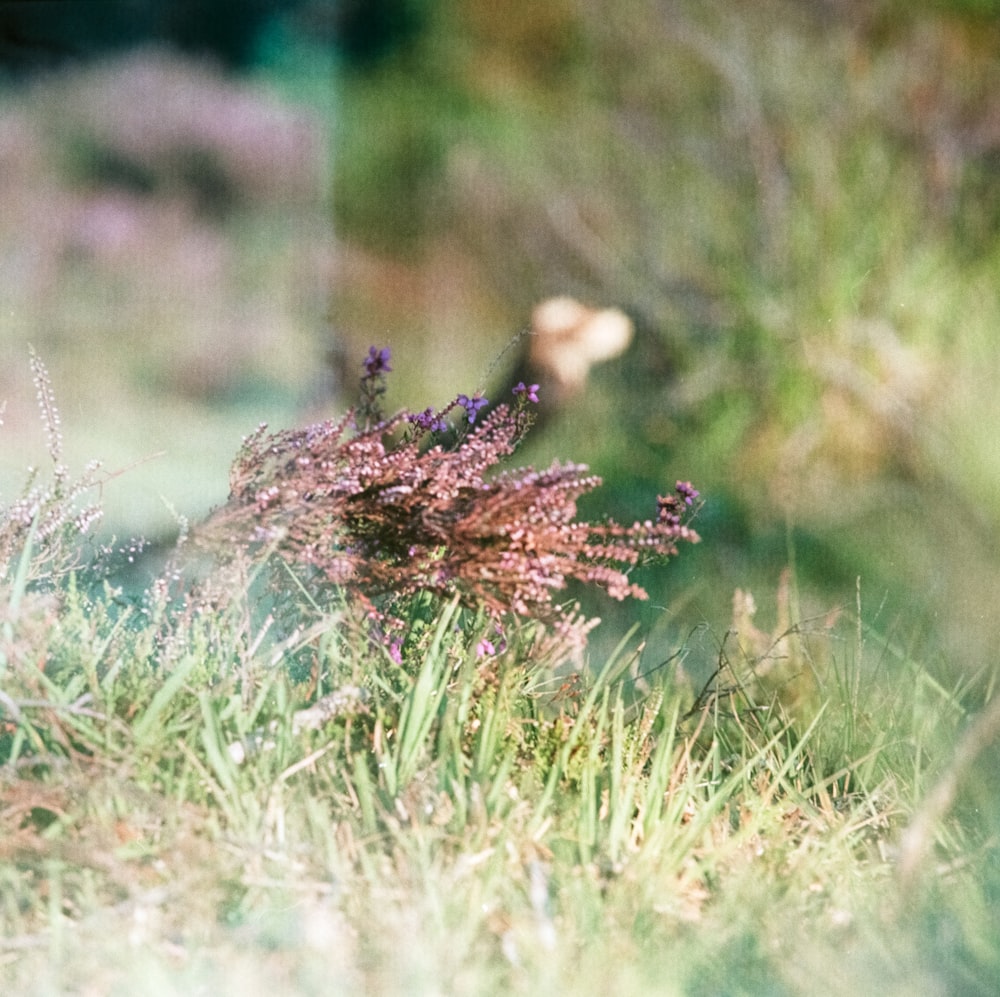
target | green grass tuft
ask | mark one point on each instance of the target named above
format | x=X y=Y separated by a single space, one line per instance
x=172 y=820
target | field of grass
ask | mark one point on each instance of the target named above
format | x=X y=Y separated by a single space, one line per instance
x=219 y=786
x=778 y=775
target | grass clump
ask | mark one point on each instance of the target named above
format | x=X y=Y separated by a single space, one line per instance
x=328 y=783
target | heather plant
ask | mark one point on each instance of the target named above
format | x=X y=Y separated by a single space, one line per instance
x=385 y=508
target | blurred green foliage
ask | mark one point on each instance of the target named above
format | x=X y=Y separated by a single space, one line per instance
x=798 y=204
x=171 y=268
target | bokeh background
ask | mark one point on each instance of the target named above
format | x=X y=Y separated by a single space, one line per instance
x=210 y=210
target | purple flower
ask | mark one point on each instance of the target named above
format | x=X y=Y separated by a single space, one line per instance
x=485 y=647
x=396 y=650
x=429 y=421
x=530 y=391
x=377 y=361
x=472 y=405
x=687 y=491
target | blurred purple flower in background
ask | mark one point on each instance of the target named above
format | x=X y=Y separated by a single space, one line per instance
x=377 y=361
